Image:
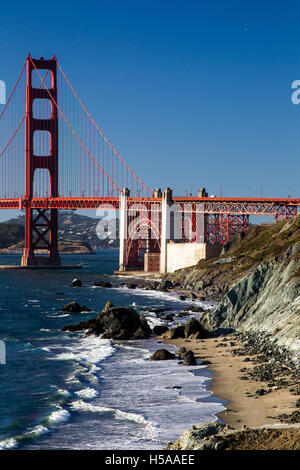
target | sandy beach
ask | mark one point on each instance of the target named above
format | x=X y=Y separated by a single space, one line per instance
x=244 y=407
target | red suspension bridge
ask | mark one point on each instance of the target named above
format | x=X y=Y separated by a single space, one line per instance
x=54 y=156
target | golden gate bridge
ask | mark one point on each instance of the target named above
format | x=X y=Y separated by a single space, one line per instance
x=53 y=156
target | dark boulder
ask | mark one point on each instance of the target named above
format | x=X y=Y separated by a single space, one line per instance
x=85 y=309
x=143 y=331
x=76 y=283
x=174 y=333
x=74 y=307
x=187 y=357
x=181 y=352
x=165 y=286
x=194 y=309
x=192 y=296
x=182 y=314
x=194 y=328
x=160 y=329
x=182 y=297
x=157 y=310
x=131 y=286
x=105 y=284
x=169 y=317
x=115 y=323
x=162 y=355
x=260 y=392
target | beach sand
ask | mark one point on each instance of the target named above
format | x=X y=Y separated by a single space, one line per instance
x=242 y=409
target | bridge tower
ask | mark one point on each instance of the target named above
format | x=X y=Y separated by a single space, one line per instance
x=41 y=225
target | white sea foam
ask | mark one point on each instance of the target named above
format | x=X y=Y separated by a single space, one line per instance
x=166 y=296
x=39 y=430
x=58 y=316
x=58 y=416
x=64 y=393
x=89 y=349
x=87 y=393
x=10 y=443
x=151 y=429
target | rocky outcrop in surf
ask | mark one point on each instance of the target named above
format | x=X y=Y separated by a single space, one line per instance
x=115 y=323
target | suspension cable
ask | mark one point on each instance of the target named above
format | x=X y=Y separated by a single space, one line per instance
x=71 y=128
x=99 y=130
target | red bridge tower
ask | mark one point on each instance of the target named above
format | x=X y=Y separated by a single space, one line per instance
x=41 y=226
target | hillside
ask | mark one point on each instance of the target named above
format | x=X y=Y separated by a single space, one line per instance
x=71 y=227
x=64 y=247
x=257 y=279
x=10 y=234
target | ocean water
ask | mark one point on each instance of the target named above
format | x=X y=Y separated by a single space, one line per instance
x=66 y=391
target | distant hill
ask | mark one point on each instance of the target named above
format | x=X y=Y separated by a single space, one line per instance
x=10 y=234
x=71 y=227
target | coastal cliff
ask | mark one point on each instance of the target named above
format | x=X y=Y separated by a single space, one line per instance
x=256 y=279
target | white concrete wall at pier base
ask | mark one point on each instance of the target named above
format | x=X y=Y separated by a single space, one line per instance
x=183 y=255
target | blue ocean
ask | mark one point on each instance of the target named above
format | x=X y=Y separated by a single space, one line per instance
x=63 y=390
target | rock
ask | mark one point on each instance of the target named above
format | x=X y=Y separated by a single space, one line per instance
x=200 y=437
x=85 y=309
x=189 y=359
x=205 y=363
x=165 y=285
x=297 y=403
x=162 y=355
x=157 y=310
x=76 y=283
x=260 y=392
x=182 y=297
x=191 y=308
x=160 y=329
x=181 y=352
x=187 y=356
x=194 y=327
x=292 y=418
x=169 y=317
x=143 y=331
x=192 y=296
x=90 y=326
x=115 y=323
x=74 y=307
x=174 y=333
x=105 y=284
x=131 y=286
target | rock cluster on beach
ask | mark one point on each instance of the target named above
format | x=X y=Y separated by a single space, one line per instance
x=185 y=355
x=115 y=323
x=192 y=329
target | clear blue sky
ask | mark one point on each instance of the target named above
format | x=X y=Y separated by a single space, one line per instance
x=192 y=94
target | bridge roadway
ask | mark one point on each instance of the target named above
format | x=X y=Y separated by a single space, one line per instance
x=216 y=205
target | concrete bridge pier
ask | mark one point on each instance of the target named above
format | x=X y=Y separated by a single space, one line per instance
x=165 y=227
x=123 y=228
